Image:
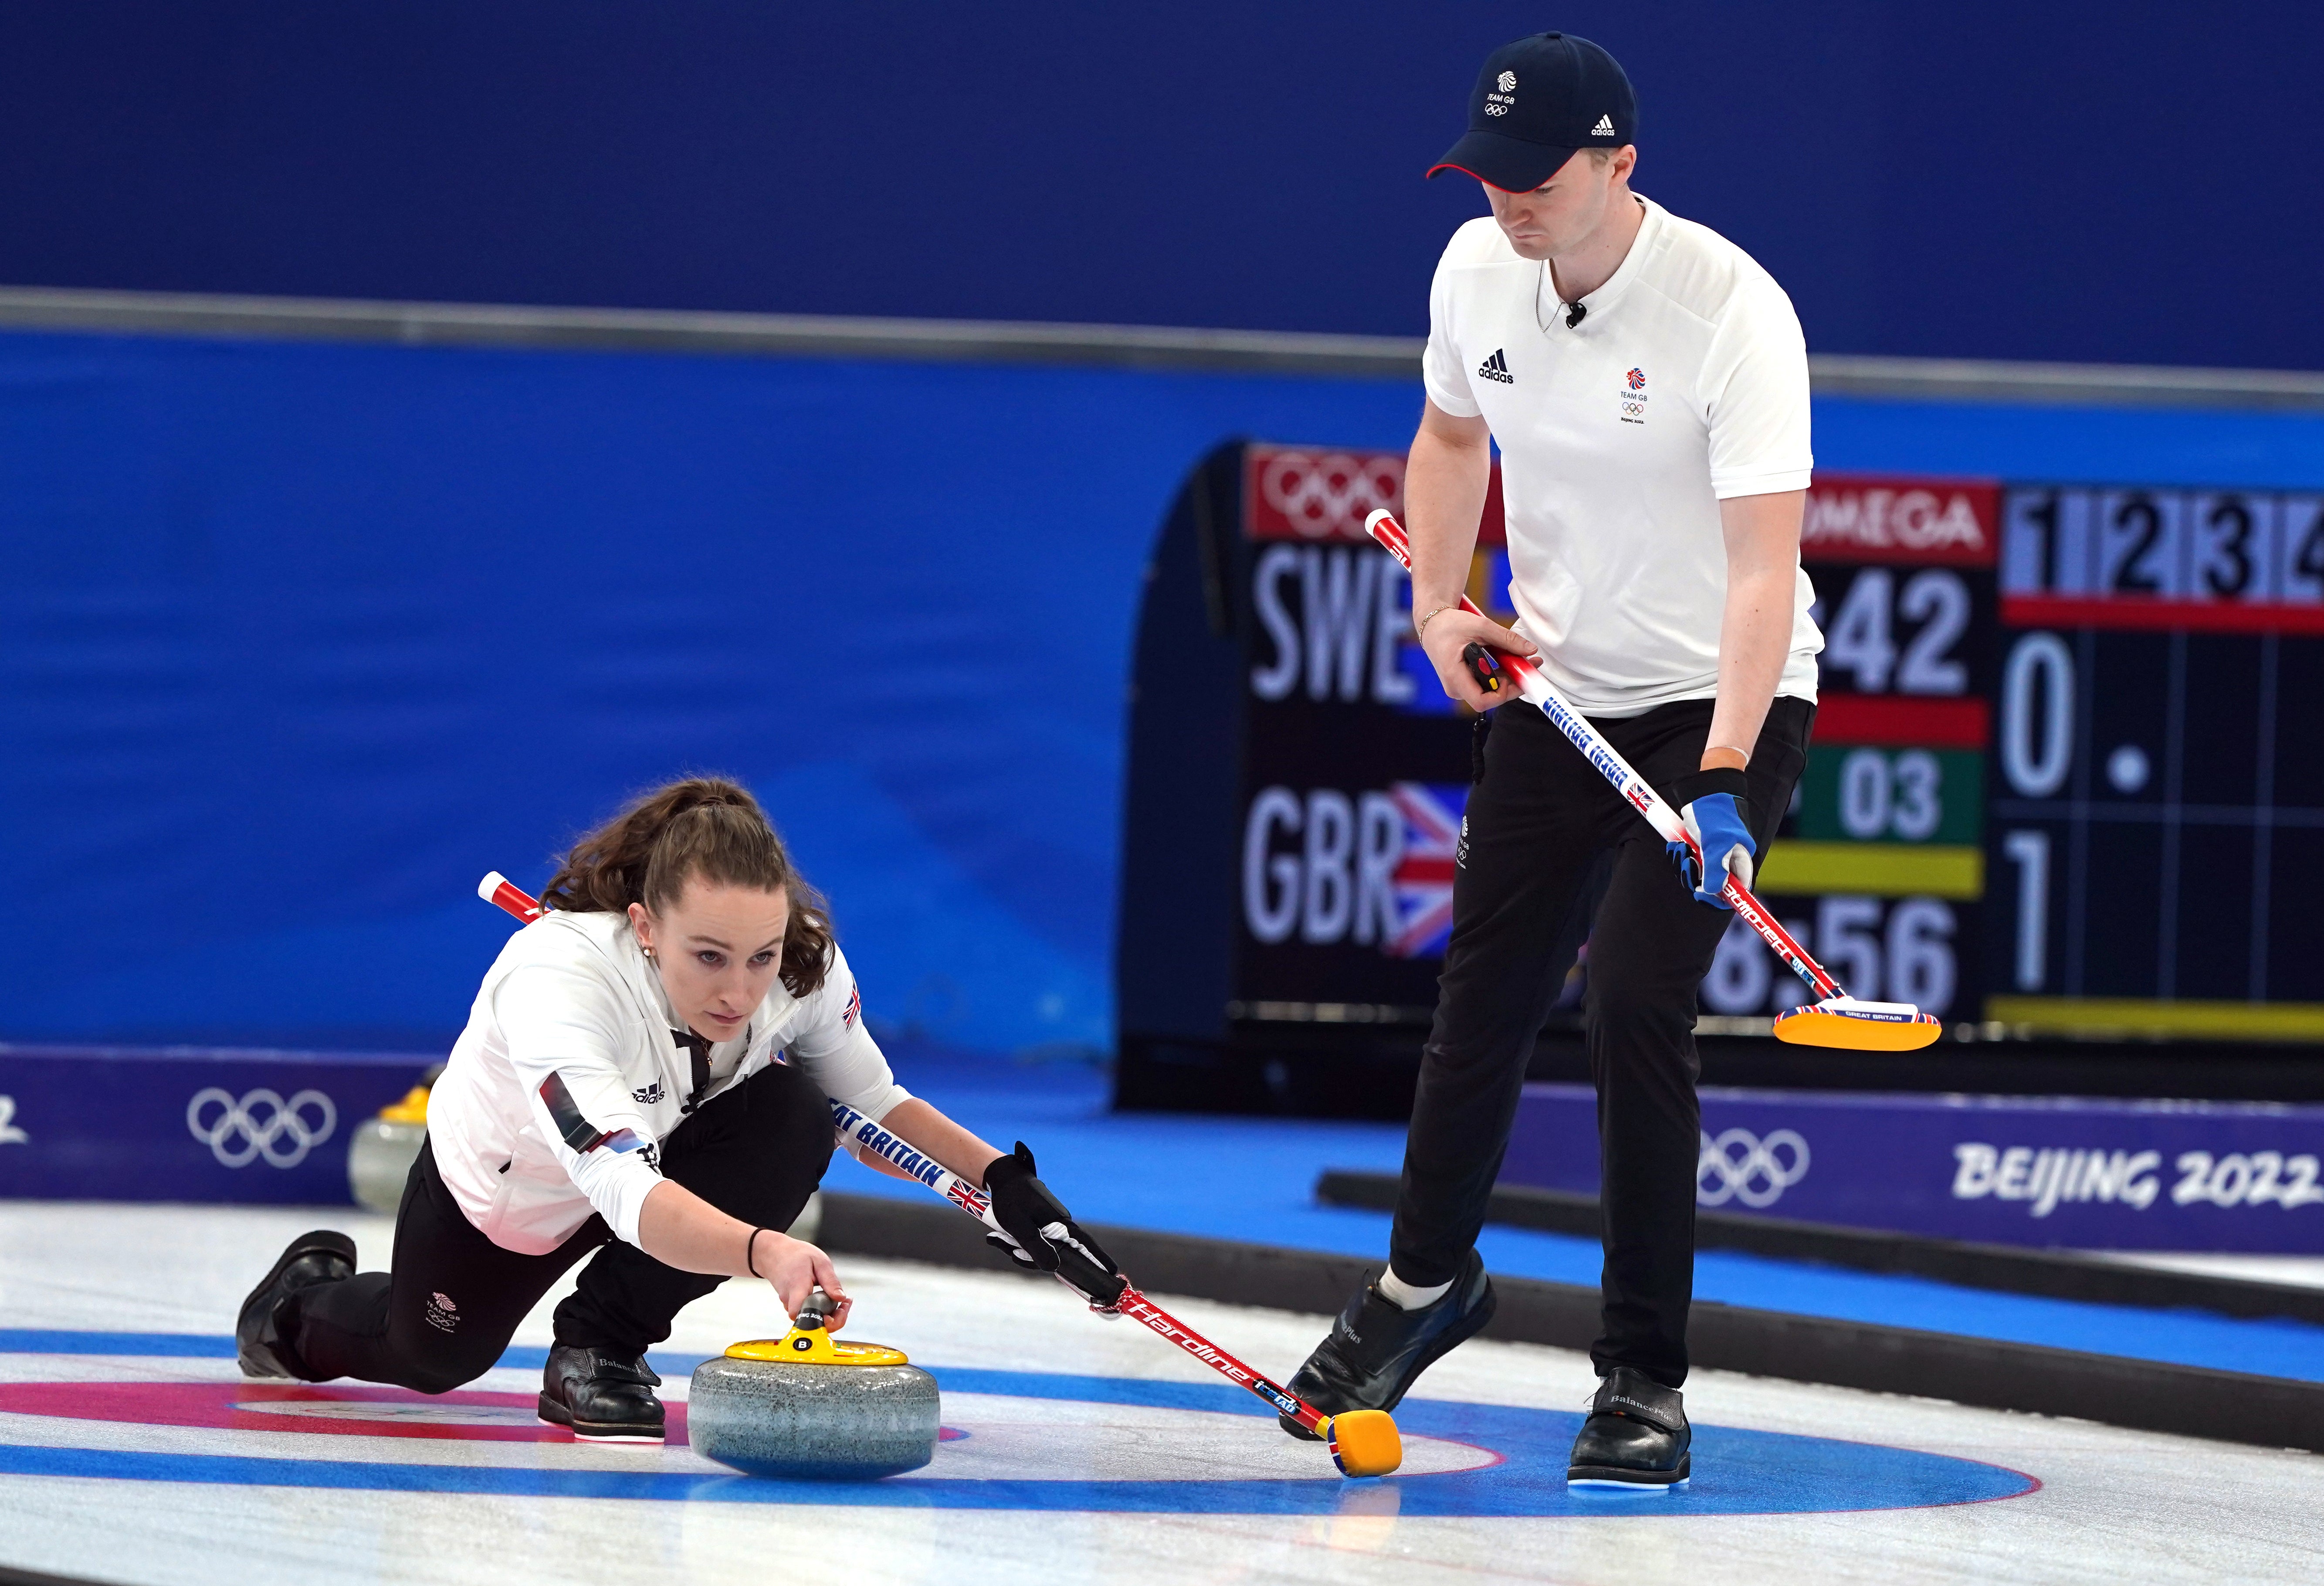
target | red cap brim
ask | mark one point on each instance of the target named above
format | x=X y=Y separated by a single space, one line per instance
x=1510 y=164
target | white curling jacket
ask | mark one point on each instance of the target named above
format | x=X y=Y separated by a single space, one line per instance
x=569 y=1078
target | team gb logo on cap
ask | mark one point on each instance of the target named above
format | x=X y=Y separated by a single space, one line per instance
x=1498 y=104
x=1509 y=82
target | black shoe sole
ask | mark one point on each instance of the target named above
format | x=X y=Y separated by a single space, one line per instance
x=557 y=1415
x=1629 y=1476
x=1444 y=1346
x=254 y=1357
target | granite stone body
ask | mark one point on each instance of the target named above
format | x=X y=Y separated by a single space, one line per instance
x=379 y=1155
x=796 y=1419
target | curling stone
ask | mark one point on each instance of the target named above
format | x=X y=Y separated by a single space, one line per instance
x=381 y=1150
x=805 y=1404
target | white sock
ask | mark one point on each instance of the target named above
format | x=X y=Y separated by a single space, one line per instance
x=1409 y=1297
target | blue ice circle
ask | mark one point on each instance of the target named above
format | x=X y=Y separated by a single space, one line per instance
x=1736 y=1472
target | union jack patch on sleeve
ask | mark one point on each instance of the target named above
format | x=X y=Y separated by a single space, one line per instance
x=855 y=1008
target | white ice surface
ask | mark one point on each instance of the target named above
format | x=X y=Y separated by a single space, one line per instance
x=2114 y=1505
x=2305 y=1271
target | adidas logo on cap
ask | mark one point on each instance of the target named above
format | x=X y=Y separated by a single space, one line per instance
x=1604 y=129
x=1497 y=368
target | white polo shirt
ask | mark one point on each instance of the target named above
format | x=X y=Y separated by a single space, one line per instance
x=559 y=1094
x=1685 y=382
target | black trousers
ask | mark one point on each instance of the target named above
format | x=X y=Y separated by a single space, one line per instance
x=444 y=1314
x=1537 y=821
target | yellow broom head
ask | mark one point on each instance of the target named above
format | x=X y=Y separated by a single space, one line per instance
x=1859 y=1027
x=1364 y=1443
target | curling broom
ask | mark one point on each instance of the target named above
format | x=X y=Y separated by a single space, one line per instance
x=1836 y=1019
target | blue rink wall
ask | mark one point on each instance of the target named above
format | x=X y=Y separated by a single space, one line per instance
x=299 y=640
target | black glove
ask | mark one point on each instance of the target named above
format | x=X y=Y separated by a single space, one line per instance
x=1041 y=1236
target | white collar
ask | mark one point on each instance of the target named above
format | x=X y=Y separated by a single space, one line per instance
x=1550 y=310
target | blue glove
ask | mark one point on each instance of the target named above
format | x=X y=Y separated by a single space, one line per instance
x=1713 y=805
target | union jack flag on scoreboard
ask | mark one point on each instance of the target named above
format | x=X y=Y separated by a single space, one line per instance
x=1423 y=876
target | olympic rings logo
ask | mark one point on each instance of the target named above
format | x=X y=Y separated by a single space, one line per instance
x=260 y=1124
x=1747 y=1168
x=1333 y=493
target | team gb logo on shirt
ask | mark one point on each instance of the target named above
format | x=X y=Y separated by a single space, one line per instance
x=1634 y=397
x=1638 y=379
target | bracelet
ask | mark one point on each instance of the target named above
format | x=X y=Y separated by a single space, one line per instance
x=750 y=1253
x=1420 y=628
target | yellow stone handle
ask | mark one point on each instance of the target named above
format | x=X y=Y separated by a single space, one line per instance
x=816 y=1346
x=412 y=1108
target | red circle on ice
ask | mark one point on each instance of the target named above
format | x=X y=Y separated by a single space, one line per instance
x=355 y=1410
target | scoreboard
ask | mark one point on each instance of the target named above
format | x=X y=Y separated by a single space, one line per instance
x=2065 y=776
x=2157 y=795
x=2065 y=771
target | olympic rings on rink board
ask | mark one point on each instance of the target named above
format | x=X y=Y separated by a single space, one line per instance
x=1330 y=494
x=242 y=1121
x=1757 y=1176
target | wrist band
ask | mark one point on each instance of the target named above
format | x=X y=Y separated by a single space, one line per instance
x=750 y=1253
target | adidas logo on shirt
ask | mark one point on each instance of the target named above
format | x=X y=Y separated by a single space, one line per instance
x=1604 y=129
x=1496 y=368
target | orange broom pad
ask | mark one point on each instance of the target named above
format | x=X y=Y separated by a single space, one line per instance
x=1364 y=1443
x=1859 y=1027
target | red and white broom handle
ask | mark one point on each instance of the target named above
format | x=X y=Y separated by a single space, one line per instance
x=1133 y=1305
x=1139 y=1308
x=497 y=888
x=1634 y=789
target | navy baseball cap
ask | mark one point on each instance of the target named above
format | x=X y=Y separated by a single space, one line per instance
x=1536 y=102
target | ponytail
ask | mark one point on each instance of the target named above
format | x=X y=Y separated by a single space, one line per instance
x=704 y=826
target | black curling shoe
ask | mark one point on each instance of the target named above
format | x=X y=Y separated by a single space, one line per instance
x=605 y=1397
x=1377 y=1348
x=1637 y=1435
x=320 y=1257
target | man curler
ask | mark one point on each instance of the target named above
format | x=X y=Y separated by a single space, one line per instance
x=1646 y=384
